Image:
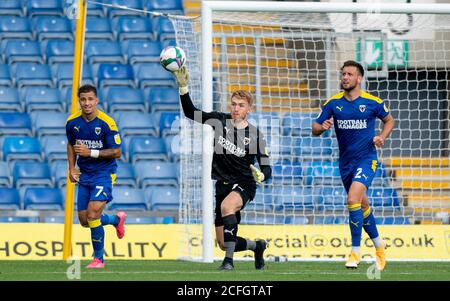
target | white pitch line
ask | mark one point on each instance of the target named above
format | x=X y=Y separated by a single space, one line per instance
x=220 y=273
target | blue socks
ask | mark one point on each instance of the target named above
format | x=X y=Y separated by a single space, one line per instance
x=356 y=224
x=369 y=224
x=97 y=237
x=109 y=220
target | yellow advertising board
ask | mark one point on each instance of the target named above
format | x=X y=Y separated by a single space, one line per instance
x=45 y=241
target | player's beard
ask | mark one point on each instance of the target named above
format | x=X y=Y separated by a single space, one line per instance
x=349 y=88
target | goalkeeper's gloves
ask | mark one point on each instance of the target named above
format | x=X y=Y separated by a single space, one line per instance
x=257 y=174
x=182 y=77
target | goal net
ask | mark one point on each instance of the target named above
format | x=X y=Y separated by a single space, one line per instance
x=290 y=62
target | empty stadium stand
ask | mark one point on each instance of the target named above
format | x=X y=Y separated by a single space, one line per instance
x=121 y=58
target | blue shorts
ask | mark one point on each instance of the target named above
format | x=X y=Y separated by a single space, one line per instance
x=95 y=188
x=363 y=172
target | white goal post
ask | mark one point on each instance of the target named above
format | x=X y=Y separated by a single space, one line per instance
x=378 y=69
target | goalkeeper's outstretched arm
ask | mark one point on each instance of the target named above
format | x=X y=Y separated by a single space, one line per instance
x=190 y=111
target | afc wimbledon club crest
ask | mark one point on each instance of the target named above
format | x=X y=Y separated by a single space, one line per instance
x=362 y=108
x=98 y=130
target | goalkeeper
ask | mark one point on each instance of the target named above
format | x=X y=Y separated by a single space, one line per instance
x=237 y=144
x=353 y=113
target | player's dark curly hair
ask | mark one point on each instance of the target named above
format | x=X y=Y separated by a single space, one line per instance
x=354 y=64
x=86 y=89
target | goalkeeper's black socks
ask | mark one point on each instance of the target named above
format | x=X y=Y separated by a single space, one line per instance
x=229 y=234
x=243 y=244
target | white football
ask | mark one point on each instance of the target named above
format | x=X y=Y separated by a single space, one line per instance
x=172 y=58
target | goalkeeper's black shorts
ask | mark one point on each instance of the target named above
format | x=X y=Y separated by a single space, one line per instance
x=245 y=189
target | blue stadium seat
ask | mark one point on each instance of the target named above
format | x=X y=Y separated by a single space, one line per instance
x=47 y=7
x=163 y=29
x=163 y=99
x=125 y=175
x=64 y=75
x=59 y=219
x=383 y=197
x=282 y=147
x=163 y=198
x=170 y=42
x=49 y=123
x=134 y=28
x=125 y=99
x=12 y=123
x=112 y=12
x=5 y=176
x=295 y=198
x=263 y=200
x=144 y=220
x=392 y=220
x=10 y=199
x=250 y=218
x=172 y=143
x=9 y=100
x=156 y=173
x=95 y=10
x=104 y=52
x=60 y=51
x=12 y=27
x=31 y=173
x=19 y=219
x=55 y=147
x=319 y=173
x=59 y=170
x=153 y=74
x=313 y=147
x=41 y=198
x=5 y=76
x=125 y=198
x=115 y=75
x=22 y=51
x=287 y=174
x=52 y=27
x=11 y=8
x=298 y=124
x=21 y=148
x=31 y=74
x=98 y=28
x=330 y=220
x=267 y=122
x=136 y=123
x=296 y=220
x=43 y=98
x=139 y=52
x=381 y=178
x=334 y=198
x=174 y=7
x=169 y=123
x=147 y=148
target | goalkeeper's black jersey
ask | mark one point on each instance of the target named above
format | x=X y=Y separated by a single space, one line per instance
x=234 y=149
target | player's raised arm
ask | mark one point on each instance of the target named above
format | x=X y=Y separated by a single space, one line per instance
x=190 y=111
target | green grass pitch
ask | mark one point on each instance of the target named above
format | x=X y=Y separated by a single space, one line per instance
x=244 y=271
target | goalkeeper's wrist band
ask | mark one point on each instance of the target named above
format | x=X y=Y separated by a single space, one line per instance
x=184 y=90
x=95 y=153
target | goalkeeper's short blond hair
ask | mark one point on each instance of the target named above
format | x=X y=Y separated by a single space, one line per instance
x=242 y=94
